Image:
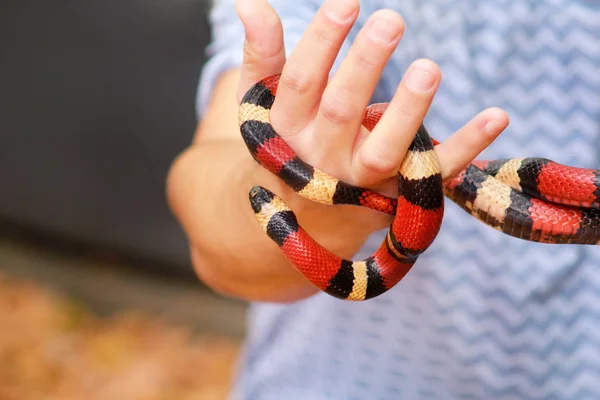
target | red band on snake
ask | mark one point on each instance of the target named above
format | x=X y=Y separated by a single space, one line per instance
x=533 y=199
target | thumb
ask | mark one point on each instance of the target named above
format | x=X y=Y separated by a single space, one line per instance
x=264 y=51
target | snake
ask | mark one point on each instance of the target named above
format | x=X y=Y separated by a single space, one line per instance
x=529 y=198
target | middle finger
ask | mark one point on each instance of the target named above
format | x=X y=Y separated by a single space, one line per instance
x=306 y=71
x=349 y=91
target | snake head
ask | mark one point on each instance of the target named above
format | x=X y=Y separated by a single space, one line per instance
x=274 y=216
x=259 y=197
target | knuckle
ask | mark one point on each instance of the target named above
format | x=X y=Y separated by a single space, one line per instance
x=284 y=124
x=294 y=80
x=323 y=34
x=367 y=56
x=407 y=112
x=249 y=53
x=336 y=111
x=379 y=162
x=267 y=43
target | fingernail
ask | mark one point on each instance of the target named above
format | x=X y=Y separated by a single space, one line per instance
x=420 y=77
x=383 y=29
x=340 y=10
x=493 y=128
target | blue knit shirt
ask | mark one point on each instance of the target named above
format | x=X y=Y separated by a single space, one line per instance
x=482 y=315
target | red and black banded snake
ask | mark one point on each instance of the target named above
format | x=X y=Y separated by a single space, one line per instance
x=533 y=199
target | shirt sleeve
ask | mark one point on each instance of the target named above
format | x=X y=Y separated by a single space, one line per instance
x=225 y=49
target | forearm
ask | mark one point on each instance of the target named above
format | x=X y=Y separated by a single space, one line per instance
x=208 y=191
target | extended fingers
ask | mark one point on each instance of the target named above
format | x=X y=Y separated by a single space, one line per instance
x=350 y=90
x=264 y=51
x=463 y=147
x=307 y=70
x=380 y=154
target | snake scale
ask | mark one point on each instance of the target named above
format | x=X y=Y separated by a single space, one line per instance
x=534 y=199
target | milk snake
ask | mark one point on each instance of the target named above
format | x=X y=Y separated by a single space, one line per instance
x=534 y=199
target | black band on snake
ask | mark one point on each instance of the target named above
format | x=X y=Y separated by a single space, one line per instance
x=533 y=199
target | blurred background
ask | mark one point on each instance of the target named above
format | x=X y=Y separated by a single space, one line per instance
x=98 y=299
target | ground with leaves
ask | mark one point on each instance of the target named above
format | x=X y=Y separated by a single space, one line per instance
x=54 y=349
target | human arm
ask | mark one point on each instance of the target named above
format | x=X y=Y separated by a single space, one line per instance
x=320 y=118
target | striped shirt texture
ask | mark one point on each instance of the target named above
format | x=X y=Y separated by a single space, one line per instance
x=481 y=315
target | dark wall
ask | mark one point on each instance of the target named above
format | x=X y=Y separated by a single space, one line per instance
x=96 y=99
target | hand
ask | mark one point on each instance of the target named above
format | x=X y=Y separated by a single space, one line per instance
x=320 y=118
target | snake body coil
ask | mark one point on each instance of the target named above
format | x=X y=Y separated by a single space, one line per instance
x=529 y=198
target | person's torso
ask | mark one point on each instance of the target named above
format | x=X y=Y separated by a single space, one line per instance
x=481 y=315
